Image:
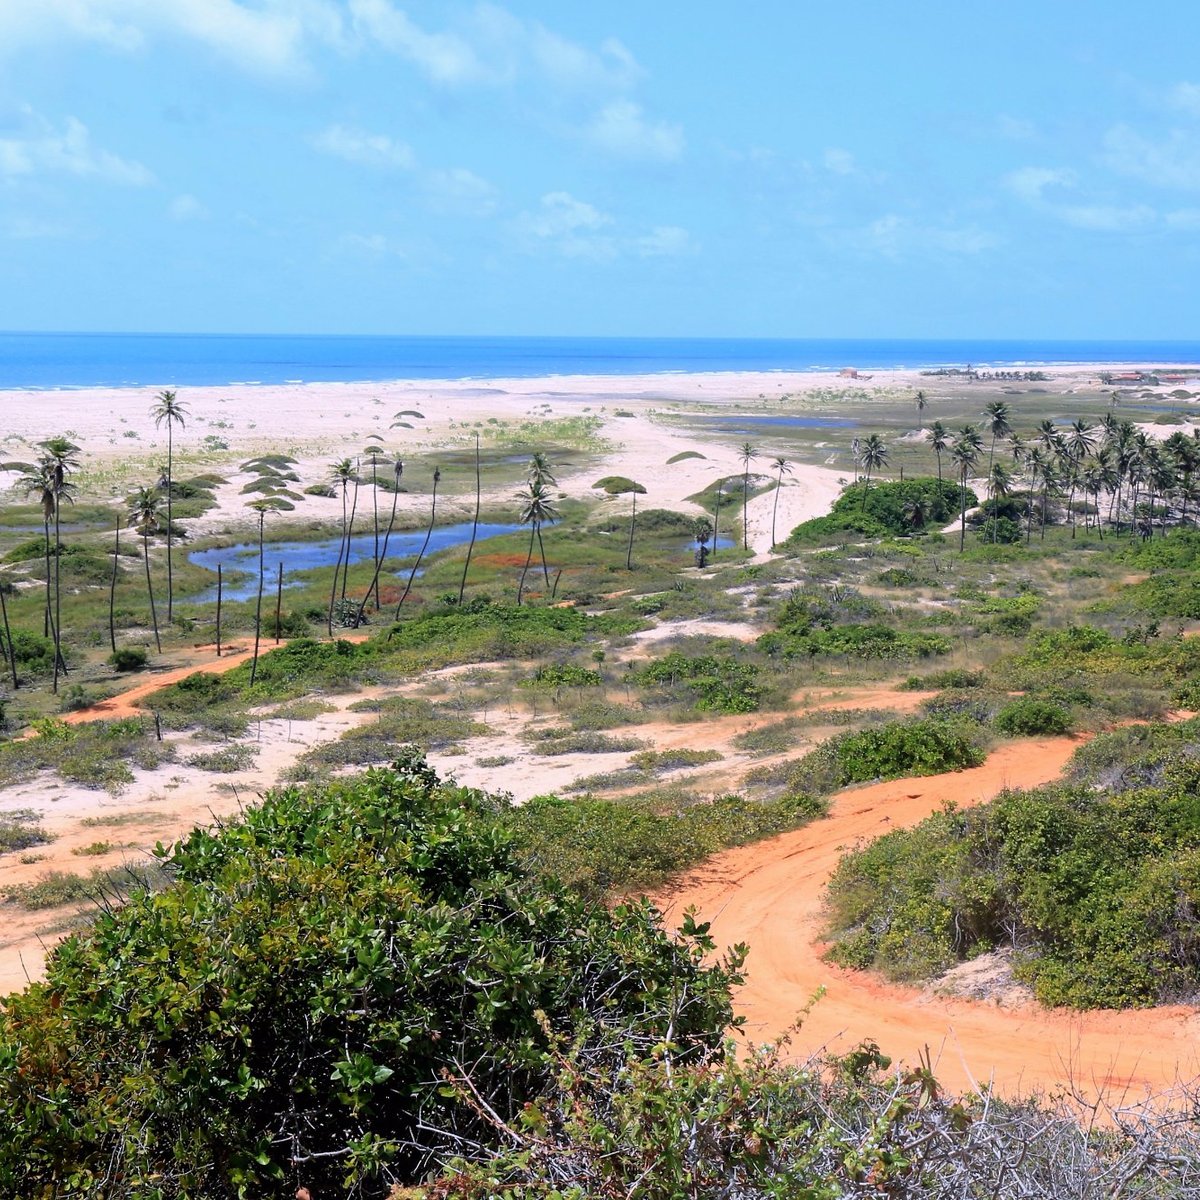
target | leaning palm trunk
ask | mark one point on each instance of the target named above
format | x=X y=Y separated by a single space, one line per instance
x=112 y=590
x=462 y=587
x=424 y=545
x=962 y=529
x=150 y=589
x=170 y=531
x=632 y=527
x=349 y=537
x=378 y=563
x=542 y=552
x=258 y=602
x=12 y=650
x=528 y=559
x=337 y=567
x=59 y=664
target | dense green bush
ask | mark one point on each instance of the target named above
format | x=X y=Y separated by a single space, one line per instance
x=129 y=658
x=1030 y=717
x=718 y=682
x=557 y=675
x=955 y=677
x=886 y=511
x=891 y=751
x=606 y=847
x=287 y=1014
x=1094 y=886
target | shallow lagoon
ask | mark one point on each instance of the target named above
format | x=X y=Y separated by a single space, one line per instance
x=306 y=556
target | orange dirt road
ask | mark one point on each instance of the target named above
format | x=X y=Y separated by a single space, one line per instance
x=125 y=704
x=770 y=896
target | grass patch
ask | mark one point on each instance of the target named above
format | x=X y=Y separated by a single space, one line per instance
x=21 y=830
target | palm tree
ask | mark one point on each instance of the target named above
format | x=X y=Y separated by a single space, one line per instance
x=342 y=473
x=537 y=509
x=144 y=511
x=916 y=512
x=112 y=589
x=636 y=490
x=437 y=475
x=1036 y=466
x=747 y=454
x=374 y=454
x=540 y=470
x=921 y=402
x=60 y=458
x=781 y=467
x=462 y=587
x=169 y=408
x=999 y=486
x=262 y=506
x=397 y=472
x=1080 y=441
x=717 y=514
x=964 y=453
x=939 y=439
x=11 y=652
x=873 y=455
x=996 y=416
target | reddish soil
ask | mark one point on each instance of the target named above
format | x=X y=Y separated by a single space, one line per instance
x=201 y=660
x=770 y=896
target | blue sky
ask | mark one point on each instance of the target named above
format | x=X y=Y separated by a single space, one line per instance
x=774 y=168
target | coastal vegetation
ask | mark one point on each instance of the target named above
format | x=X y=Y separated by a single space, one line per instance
x=653 y=709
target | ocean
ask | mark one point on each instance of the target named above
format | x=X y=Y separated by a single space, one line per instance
x=82 y=360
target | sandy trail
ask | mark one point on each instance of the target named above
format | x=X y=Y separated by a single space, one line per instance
x=770 y=896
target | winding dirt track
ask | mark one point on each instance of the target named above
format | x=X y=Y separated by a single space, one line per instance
x=770 y=894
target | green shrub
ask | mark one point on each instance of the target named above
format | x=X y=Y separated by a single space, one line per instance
x=20 y=830
x=719 y=682
x=1029 y=717
x=556 y=675
x=955 y=677
x=224 y=761
x=283 y=1016
x=893 y=751
x=129 y=658
x=1095 y=889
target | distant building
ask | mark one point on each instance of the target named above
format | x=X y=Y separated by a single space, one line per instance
x=849 y=372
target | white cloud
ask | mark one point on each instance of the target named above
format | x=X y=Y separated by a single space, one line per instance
x=895 y=237
x=1183 y=218
x=366 y=245
x=1106 y=218
x=1185 y=98
x=1028 y=183
x=187 y=208
x=664 y=241
x=457 y=190
x=443 y=57
x=446 y=189
x=272 y=38
x=1172 y=161
x=42 y=149
x=573 y=228
x=621 y=129
x=838 y=162
x=365 y=149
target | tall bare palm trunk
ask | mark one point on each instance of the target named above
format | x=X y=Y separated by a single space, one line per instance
x=150 y=589
x=437 y=475
x=112 y=589
x=462 y=587
x=528 y=559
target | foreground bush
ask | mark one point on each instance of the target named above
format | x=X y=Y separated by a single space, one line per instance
x=287 y=1013
x=749 y=1127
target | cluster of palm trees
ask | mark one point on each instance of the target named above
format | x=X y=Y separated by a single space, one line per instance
x=48 y=481
x=1141 y=478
